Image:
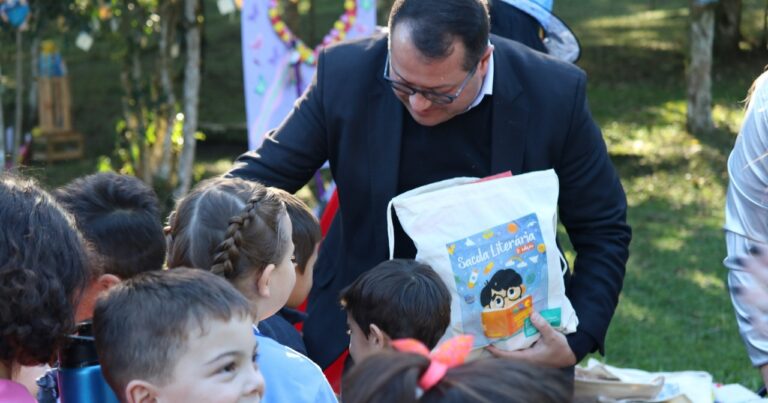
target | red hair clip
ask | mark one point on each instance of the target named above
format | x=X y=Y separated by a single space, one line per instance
x=450 y=354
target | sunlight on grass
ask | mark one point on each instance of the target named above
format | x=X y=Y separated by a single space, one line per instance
x=728 y=117
x=707 y=281
x=647 y=29
x=671 y=242
x=634 y=312
x=209 y=169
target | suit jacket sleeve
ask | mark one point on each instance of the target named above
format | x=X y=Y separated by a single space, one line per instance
x=291 y=153
x=593 y=210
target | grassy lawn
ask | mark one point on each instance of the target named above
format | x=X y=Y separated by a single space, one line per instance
x=674 y=313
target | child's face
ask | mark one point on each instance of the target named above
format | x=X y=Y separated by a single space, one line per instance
x=281 y=280
x=217 y=366
x=303 y=282
x=360 y=346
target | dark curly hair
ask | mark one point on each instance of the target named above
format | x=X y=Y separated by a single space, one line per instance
x=43 y=272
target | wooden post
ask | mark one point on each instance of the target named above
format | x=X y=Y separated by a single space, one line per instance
x=699 y=111
x=191 y=97
x=2 y=124
x=17 y=133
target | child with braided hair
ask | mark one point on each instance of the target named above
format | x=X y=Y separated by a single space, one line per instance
x=240 y=230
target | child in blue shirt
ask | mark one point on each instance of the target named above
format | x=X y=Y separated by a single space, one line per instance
x=306 y=239
x=240 y=230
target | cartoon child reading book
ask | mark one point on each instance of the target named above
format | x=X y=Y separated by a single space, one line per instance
x=504 y=312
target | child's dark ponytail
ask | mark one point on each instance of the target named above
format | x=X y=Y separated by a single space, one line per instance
x=393 y=376
x=385 y=377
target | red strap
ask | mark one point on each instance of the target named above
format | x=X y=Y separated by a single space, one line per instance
x=329 y=213
x=334 y=372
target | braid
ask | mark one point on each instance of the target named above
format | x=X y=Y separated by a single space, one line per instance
x=230 y=227
x=227 y=255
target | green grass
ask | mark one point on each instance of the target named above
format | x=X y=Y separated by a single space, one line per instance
x=674 y=312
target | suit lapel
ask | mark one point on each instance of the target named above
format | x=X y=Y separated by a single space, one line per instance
x=509 y=125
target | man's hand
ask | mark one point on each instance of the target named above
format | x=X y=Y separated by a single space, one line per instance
x=550 y=350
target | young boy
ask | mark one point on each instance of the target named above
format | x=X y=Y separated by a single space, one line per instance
x=397 y=299
x=181 y=335
x=306 y=239
x=119 y=216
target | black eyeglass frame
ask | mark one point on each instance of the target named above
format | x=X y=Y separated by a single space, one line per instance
x=436 y=97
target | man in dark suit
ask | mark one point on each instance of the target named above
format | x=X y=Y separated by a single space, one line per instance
x=436 y=99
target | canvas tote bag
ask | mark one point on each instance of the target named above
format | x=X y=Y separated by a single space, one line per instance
x=493 y=244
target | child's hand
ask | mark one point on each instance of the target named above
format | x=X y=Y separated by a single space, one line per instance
x=551 y=350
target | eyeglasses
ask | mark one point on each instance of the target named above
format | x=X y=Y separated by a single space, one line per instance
x=436 y=97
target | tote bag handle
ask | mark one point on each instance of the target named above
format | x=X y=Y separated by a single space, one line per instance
x=390 y=231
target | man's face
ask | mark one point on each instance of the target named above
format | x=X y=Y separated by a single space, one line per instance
x=410 y=67
x=218 y=365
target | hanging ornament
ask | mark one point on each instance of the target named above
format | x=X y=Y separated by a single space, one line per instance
x=307 y=55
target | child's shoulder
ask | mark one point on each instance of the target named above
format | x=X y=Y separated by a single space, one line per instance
x=291 y=376
x=11 y=391
x=284 y=355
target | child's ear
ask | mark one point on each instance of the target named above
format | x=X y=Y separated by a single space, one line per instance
x=139 y=391
x=262 y=284
x=377 y=336
x=107 y=281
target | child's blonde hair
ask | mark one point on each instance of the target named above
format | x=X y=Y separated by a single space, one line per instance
x=230 y=227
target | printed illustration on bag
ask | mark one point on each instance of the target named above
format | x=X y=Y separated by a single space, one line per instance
x=501 y=275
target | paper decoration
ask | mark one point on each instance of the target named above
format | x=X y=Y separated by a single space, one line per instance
x=226 y=6
x=702 y=3
x=14 y=12
x=278 y=66
x=84 y=41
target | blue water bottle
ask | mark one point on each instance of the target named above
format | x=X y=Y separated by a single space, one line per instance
x=80 y=377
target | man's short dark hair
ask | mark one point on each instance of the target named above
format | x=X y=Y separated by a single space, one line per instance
x=404 y=298
x=434 y=24
x=142 y=325
x=119 y=216
x=306 y=228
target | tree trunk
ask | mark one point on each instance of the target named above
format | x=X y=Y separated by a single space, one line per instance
x=34 y=61
x=728 y=26
x=17 y=132
x=2 y=124
x=145 y=171
x=699 y=112
x=168 y=23
x=191 y=97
